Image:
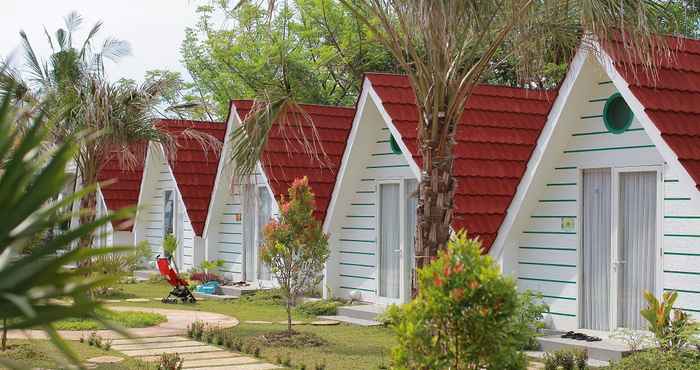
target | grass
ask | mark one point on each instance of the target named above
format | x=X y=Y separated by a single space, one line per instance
x=348 y=346
x=127 y=319
x=42 y=354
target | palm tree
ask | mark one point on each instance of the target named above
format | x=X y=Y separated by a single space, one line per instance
x=447 y=47
x=74 y=91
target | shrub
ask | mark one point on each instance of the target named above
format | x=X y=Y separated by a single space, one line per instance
x=319 y=308
x=203 y=277
x=566 y=359
x=195 y=330
x=670 y=334
x=655 y=359
x=170 y=361
x=169 y=245
x=295 y=248
x=466 y=315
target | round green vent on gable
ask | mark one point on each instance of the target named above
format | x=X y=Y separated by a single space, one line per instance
x=394 y=145
x=617 y=115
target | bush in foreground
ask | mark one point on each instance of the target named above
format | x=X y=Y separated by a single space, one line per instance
x=466 y=315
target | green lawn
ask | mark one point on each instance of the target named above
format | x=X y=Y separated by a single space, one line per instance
x=42 y=354
x=348 y=347
x=127 y=319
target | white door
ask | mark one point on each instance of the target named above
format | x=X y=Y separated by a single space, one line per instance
x=389 y=243
x=249 y=235
x=635 y=258
x=595 y=255
x=264 y=215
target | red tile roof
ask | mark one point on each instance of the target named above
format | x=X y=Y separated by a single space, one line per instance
x=124 y=191
x=495 y=139
x=672 y=99
x=284 y=158
x=195 y=166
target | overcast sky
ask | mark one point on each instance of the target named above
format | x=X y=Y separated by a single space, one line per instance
x=154 y=28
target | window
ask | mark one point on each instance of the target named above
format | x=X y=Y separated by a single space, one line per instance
x=617 y=115
x=168 y=210
x=395 y=148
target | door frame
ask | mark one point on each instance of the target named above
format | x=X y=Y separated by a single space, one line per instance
x=614 y=227
x=403 y=274
x=256 y=246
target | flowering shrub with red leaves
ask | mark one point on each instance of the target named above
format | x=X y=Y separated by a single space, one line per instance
x=295 y=247
x=466 y=315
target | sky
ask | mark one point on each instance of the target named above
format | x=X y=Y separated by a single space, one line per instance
x=154 y=28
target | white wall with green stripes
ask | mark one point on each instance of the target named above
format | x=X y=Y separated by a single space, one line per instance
x=353 y=261
x=548 y=250
x=159 y=178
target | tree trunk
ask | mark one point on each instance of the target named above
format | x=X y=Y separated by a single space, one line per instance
x=436 y=194
x=4 y=334
x=289 y=315
x=88 y=207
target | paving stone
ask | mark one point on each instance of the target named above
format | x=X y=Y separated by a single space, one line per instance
x=112 y=300
x=149 y=340
x=325 y=322
x=156 y=352
x=197 y=356
x=136 y=300
x=260 y=366
x=259 y=322
x=105 y=360
x=294 y=322
x=154 y=345
x=219 y=362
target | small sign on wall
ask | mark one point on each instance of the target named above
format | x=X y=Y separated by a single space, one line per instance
x=568 y=224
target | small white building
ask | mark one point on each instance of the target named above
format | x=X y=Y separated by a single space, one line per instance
x=587 y=195
x=241 y=208
x=176 y=190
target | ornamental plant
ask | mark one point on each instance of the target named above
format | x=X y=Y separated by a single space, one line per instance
x=466 y=315
x=672 y=333
x=169 y=245
x=295 y=247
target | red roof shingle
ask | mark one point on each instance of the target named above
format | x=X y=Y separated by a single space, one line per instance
x=284 y=158
x=124 y=191
x=671 y=99
x=195 y=166
x=495 y=139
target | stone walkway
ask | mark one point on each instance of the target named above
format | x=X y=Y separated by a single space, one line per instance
x=196 y=355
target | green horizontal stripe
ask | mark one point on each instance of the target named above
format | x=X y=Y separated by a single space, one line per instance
x=682 y=254
x=356 y=240
x=683 y=235
x=610 y=148
x=605 y=82
x=550 y=248
x=686 y=309
x=547 y=280
x=232 y=243
x=380 y=154
x=592 y=116
x=388 y=166
x=545 y=264
x=597 y=100
x=229 y=233
x=230 y=252
x=671 y=180
x=359 y=216
x=357 y=228
x=365 y=192
x=558 y=297
x=366 y=179
x=565 y=168
x=355 y=264
x=229 y=223
x=562 y=184
x=361 y=204
x=544 y=216
x=556 y=200
x=682 y=291
x=550 y=232
x=676 y=198
x=385 y=128
x=561 y=314
x=604 y=132
x=383 y=141
x=361 y=253
x=357 y=277
x=683 y=217
x=682 y=272
x=351 y=288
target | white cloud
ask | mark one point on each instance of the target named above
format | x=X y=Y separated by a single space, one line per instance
x=154 y=28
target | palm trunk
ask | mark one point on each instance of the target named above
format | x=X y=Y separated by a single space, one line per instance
x=88 y=206
x=436 y=195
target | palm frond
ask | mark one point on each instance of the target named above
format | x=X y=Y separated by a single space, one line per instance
x=31 y=60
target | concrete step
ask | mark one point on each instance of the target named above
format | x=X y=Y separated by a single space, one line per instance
x=605 y=350
x=351 y=320
x=199 y=295
x=363 y=311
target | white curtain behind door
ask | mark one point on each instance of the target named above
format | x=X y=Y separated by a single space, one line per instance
x=264 y=215
x=637 y=246
x=389 y=247
x=248 y=232
x=595 y=229
x=409 y=254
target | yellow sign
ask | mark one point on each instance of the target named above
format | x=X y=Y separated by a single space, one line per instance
x=568 y=224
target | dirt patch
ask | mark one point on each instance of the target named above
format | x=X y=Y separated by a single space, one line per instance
x=296 y=340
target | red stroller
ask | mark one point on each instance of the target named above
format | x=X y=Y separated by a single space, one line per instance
x=180 y=285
